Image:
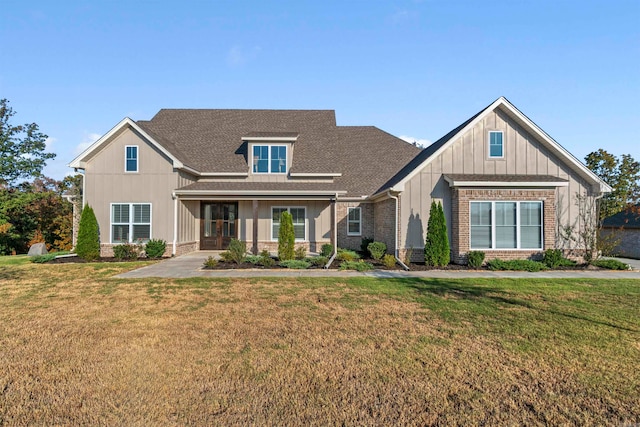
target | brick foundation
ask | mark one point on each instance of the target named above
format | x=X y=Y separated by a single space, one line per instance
x=460 y=220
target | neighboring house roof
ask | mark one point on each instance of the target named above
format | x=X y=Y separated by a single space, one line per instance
x=477 y=180
x=628 y=218
x=432 y=151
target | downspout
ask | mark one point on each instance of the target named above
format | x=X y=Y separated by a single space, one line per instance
x=395 y=244
x=175 y=223
x=335 y=232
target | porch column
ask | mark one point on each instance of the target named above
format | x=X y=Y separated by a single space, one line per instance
x=254 y=247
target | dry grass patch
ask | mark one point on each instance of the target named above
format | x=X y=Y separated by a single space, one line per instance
x=78 y=347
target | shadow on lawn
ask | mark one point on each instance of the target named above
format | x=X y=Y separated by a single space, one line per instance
x=7 y=274
x=443 y=287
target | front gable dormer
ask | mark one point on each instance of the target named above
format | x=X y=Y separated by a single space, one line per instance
x=270 y=153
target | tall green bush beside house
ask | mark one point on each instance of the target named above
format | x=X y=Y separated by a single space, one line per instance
x=88 y=246
x=436 y=248
x=286 y=237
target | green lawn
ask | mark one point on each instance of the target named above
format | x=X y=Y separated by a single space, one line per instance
x=79 y=347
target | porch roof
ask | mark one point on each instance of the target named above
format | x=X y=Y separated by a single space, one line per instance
x=243 y=189
x=479 y=180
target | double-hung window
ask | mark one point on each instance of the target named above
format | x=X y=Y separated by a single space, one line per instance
x=506 y=225
x=354 y=222
x=269 y=159
x=131 y=158
x=496 y=144
x=130 y=222
x=298 y=215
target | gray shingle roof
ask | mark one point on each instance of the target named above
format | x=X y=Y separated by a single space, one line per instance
x=241 y=186
x=628 y=218
x=211 y=141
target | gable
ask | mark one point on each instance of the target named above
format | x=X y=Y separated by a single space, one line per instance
x=528 y=150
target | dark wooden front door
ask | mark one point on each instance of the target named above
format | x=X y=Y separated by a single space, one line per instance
x=218 y=224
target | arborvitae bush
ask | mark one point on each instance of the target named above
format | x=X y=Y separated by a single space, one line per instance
x=286 y=238
x=436 y=248
x=377 y=250
x=88 y=246
x=326 y=250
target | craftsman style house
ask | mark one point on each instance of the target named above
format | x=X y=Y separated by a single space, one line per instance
x=197 y=178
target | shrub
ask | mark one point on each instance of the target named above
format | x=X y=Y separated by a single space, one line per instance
x=356 y=265
x=155 y=248
x=408 y=255
x=297 y=264
x=88 y=246
x=377 y=250
x=326 y=250
x=318 y=261
x=235 y=252
x=364 y=245
x=210 y=262
x=41 y=259
x=516 y=265
x=301 y=252
x=611 y=264
x=265 y=259
x=126 y=251
x=475 y=259
x=389 y=261
x=347 y=255
x=552 y=258
x=286 y=237
x=253 y=259
x=436 y=248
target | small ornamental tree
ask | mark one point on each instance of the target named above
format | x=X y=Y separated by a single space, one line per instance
x=88 y=246
x=436 y=248
x=286 y=237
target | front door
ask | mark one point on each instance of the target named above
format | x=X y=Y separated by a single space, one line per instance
x=218 y=224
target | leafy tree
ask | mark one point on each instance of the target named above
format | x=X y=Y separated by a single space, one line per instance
x=88 y=246
x=622 y=174
x=286 y=237
x=22 y=149
x=436 y=248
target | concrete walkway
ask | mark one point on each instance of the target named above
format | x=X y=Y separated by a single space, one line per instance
x=190 y=265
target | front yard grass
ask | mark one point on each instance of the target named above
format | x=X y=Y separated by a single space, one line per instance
x=80 y=347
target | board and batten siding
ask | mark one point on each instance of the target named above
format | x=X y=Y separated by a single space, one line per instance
x=523 y=155
x=107 y=182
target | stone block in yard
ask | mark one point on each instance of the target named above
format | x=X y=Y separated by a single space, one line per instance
x=38 y=249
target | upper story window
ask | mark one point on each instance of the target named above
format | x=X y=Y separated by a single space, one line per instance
x=269 y=159
x=496 y=144
x=131 y=158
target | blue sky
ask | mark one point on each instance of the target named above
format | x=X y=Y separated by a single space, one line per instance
x=412 y=68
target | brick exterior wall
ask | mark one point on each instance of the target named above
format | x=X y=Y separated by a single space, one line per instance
x=385 y=223
x=367 y=222
x=460 y=220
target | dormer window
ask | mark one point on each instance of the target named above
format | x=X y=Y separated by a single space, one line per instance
x=269 y=159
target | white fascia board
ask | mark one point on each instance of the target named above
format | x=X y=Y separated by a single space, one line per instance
x=79 y=163
x=314 y=175
x=522 y=184
x=270 y=138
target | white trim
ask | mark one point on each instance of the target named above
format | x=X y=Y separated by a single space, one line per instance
x=533 y=128
x=517 y=225
x=270 y=138
x=214 y=174
x=489 y=156
x=288 y=208
x=269 y=172
x=520 y=184
x=130 y=223
x=175 y=224
x=359 y=233
x=79 y=162
x=302 y=193
x=137 y=158
x=314 y=175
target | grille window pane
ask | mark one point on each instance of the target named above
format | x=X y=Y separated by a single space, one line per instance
x=481 y=225
x=130 y=222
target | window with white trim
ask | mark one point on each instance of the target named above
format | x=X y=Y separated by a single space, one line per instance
x=354 y=222
x=496 y=144
x=130 y=222
x=269 y=159
x=506 y=225
x=131 y=158
x=298 y=214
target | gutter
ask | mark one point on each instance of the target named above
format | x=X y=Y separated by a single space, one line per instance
x=335 y=233
x=395 y=245
x=175 y=223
